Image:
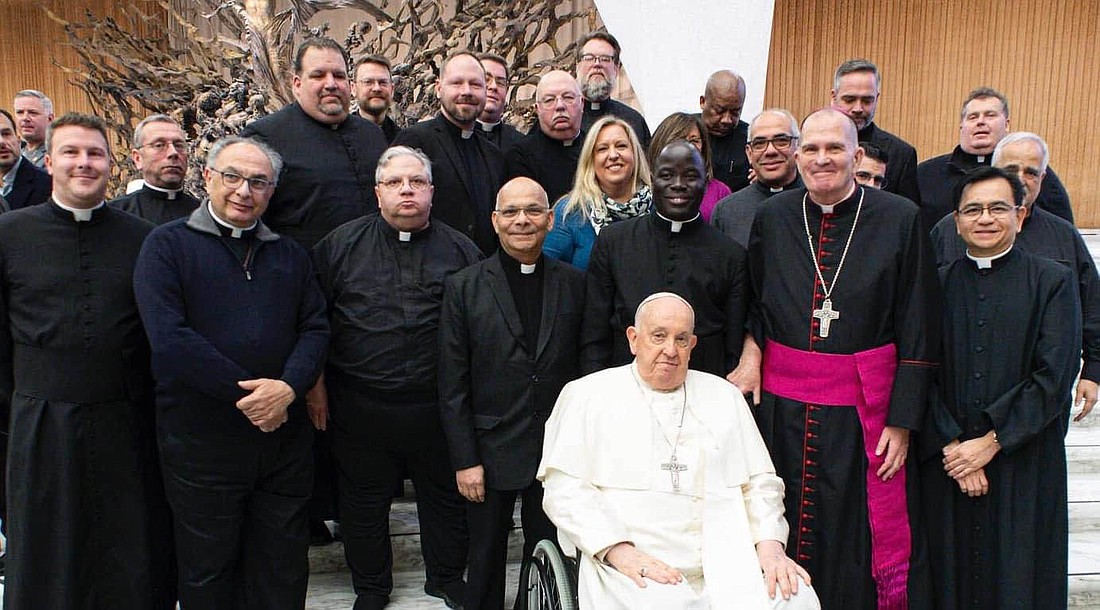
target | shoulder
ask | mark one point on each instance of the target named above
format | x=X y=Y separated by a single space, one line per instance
x=418 y=132
x=341 y=234
x=129 y=222
x=605 y=382
x=1052 y=271
x=124 y=202
x=890 y=204
x=470 y=275
x=780 y=204
x=13 y=220
x=443 y=233
x=266 y=125
x=568 y=272
x=934 y=164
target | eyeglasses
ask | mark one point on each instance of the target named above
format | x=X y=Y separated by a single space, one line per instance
x=416 y=183
x=864 y=177
x=780 y=142
x=600 y=59
x=233 y=181
x=161 y=146
x=370 y=82
x=549 y=101
x=534 y=212
x=974 y=211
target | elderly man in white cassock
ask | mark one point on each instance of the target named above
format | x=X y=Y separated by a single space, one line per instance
x=659 y=477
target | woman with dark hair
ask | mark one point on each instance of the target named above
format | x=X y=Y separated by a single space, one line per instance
x=611 y=184
x=683 y=126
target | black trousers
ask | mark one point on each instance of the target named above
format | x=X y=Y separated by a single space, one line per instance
x=240 y=514
x=490 y=522
x=374 y=443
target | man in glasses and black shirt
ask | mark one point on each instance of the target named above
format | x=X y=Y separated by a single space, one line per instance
x=871 y=169
x=160 y=152
x=598 y=65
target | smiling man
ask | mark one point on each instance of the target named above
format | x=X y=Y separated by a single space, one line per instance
x=847 y=308
x=84 y=482
x=598 y=65
x=329 y=155
x=549 y=154
x=467 y=170
x=237 y=326
x=490 y=124
x=671 y=248
x=160 y=153
x=983 y=122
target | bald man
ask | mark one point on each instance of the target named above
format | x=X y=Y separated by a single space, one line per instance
x=508 y=336
x=848 y=316
x=721 y=104
x=549 y=154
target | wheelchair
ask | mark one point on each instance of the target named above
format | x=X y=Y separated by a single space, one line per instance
x=550 y=579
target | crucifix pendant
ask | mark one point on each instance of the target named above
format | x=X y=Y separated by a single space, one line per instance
x=825 y=317
x=674 y=469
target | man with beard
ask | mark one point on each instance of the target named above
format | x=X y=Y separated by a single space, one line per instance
x=33 y=111
x=491 y=125
x=548 y=155
x=373 y=91
x=598 y=66
x=329 y=155
x=670 y=249
x=773 y=136
x=857 y=87
x=89 y=526
x=983 y=122
x=847 y=359
x=1026 y=155
x=467 y=171
x=160 y=153
x=21 y=183
x=721 y=104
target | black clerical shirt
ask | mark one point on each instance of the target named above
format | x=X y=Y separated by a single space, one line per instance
x=526 y=291
x=594 y=111
x=727 y=157
x=552 y=163
x=158 y=206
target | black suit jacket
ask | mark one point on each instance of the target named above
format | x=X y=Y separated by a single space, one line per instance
x=32 y=186
x=495 y=396
x=452 y=203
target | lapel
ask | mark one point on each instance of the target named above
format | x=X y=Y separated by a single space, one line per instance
x=551 y=291
x=498 y=284
x=452 y=151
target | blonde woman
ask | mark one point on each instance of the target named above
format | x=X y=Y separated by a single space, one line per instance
x=611 y=184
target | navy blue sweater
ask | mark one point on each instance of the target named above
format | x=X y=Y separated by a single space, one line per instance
x=213 y=321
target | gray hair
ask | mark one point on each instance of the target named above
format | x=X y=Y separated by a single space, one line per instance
x=393 y=152
x=47 y=105
x=217 y=147
x=1022 y=136
x=781 y=112
x=657 y=296
x=857 y=65
x=139 y=131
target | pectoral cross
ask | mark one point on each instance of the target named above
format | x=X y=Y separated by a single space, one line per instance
x=825 y=316
x=674 y=469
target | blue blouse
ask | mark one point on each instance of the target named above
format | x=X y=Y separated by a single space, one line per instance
x=572 y=239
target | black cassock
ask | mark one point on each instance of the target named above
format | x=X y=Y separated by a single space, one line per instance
x=886 y=293
x=89 y=524
x=1011 y=343
x=157 y=206
x=635 y=258
x=552 y=163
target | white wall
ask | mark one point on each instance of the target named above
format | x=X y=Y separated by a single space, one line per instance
x=670 y=47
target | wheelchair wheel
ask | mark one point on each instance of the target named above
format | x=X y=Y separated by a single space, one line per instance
x=550 y=582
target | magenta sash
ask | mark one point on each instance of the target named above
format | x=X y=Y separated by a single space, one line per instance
x=864 y=379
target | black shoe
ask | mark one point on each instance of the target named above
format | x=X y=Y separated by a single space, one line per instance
x=318 y=533
x=453 y=594
x=370 y=602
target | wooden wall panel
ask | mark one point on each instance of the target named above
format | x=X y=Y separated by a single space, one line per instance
x=31 y=41
x=933 y=52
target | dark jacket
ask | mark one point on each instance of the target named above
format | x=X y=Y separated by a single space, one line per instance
x=452 y=202
x=495 y=395
x=32 y=186
x=213 y=321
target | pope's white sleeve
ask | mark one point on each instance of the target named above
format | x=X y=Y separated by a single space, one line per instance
x=764 y=505
x=575 y=508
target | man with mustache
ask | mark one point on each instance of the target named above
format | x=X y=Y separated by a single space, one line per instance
x=548 y=155
x=467 y=171
x=373 y=90
x=160 y=152
x=329 y=154
x=983 y=122
x=598 y=65
x=89 y=525
x=491 y=123
x=21 y=182
x=672 y=248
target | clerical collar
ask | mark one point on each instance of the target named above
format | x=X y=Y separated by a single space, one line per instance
x=487 y=127
x=594 y=105
x=677 y=225
x=402 y=236
x=829 y=209
x=80 y=214
x=457 y=130
x=509 y=262
x=169 y=194
x=230 y=230
x=986 y=262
